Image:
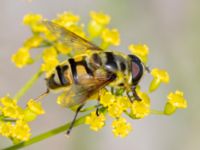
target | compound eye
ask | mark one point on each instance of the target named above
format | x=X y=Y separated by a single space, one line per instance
x=135 y=69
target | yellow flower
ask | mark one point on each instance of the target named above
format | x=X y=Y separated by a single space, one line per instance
x=140 y=109
x=10 y=108
x=159 y=76
x=124 y=102
x=100 y=17
x=67 y=19
x=7 y=101
x=175 y=100
x=14 y=112
x=21 y=131
x=107 y=99
x=77 y=30
x=110 y=37
x=95 y=122
x=121 y=127
x=49 y=54
x=33 y=42
x=140 y=50
x=62 y=48
x=6 y=129
x=97 y=23
x=35 y=107
x=31 y=19
x=22 y=57
x=115 y=110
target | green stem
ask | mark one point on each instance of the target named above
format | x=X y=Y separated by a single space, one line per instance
x=46 y=135
x=28 y=85
x=157 y=112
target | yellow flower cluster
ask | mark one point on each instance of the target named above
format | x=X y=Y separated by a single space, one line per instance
x=14 y=119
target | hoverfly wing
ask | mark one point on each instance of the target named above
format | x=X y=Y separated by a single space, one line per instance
x=79 y=93
x=70 y=39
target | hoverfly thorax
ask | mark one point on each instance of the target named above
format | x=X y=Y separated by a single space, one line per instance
x=136 y=68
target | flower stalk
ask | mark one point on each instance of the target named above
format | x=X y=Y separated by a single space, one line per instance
x=28 y=85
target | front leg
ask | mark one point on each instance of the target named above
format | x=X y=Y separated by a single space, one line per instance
x=135 y=95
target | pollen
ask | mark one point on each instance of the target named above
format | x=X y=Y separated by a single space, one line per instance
x=95 y=122
x=140 y=50
x=121 y=128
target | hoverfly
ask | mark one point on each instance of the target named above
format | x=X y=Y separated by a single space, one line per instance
x=84 y=75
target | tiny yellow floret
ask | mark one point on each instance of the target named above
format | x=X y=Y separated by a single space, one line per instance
x=95 y=122
x=111 y=36
x=121 y=128
x=115 y=110
x=33 y=42
x=31 y=19
x=100 y=17
x=177 y=99
x=67 y=19
x=140 y=50
x=6 y=129
x=21 y=131
x=22 y=57
x=159 y=76
x=35 y=106
x=107 y=98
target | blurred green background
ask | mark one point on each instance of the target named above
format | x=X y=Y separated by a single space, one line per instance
x=171 y=29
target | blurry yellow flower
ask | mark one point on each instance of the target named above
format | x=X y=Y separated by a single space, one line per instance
x=22 y=57
x=107 y=99
x=6 y=129
x=124 y=102
x=140 y=109
x=121 y=127
x=77 y=30
x=33 y=42
x=29 y=115
x=62 y=48
x=21 y=131
x=7 y=101
x=31 y=19
x=110 y=37
x=95 y=122
x=97 y=23
x=140 y=50
x=10 y=108
x=14 y=112
x=115 y=110
x=175 y=100
x=35 y=107
x=67 y=19
x=100 y=17
x=159 y=76
x=49 y=54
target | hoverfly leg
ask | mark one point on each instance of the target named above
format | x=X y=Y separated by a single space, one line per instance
x=135 y=94
x=129 y=97
x=74 y=119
